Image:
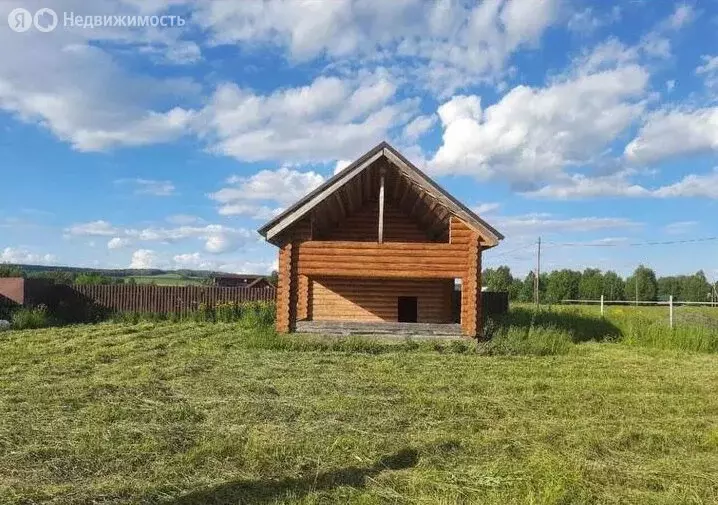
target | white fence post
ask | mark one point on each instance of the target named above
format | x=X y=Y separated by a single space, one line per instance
x=670 y=303
x=601 y=305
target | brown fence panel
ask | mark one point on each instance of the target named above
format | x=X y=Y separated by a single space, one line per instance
x=139 y=298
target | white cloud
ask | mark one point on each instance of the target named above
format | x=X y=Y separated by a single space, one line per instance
x=451 y=44
x=184 y=219
x=419 y=126
x=149 y=187
x=691 y=186
x=250 y=195
x=199 y=262
x=670 y=132
x=77 y=89
x=682 y=16
x=329 y=119
x=23 y=256
x=532 y=135
x=581 y=186
x=709 y=71
x=194 y=261
x=486 y=208
x=146 y=258
x=118 y=243
x=93 y=229
x=341 y=165
x=217 y=238
x=536 y=224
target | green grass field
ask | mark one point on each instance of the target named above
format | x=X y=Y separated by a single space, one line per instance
x=167 y=280
x=227 y=413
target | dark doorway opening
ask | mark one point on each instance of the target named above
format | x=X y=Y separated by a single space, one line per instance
x=408 y=309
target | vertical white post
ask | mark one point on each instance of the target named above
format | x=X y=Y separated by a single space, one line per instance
x=670 y=304
x=381 y=208
x=601 y=305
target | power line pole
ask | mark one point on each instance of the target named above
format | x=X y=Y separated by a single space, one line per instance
x=538 y=273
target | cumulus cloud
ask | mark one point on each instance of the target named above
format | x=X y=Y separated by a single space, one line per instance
x=671 y=132
x=78 y=90
x=419 y=126
x=257 y=196
x=217 y=238
x=329 y=119
x=486 y=208
x=23 y=256
x=200 y=262
x=452 y=44
x=709 y=71
x=536 y=224
x=146 y=258
x=619 y=185
x=533 y=134
x=93 y=229
x=341 y=165
x=118 y=243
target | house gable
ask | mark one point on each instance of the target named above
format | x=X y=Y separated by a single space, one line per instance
x=407 y=190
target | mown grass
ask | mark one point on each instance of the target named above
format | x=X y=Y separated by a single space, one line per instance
x=220 y=413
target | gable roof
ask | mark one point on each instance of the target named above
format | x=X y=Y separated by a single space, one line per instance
x=301 y=208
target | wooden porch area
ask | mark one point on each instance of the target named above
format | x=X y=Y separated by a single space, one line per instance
x=381 y=329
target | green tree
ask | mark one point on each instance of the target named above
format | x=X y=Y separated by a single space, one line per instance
x=590 y=287
x=613 y=286
x=93 y=278
x=562 y=285
x=10 y=271
x=670 y=286
x=498 y=279
x=526 y=291
x=642 y=285
x=695 y=288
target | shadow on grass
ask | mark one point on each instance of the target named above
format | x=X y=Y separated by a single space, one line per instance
x=268 y=491
x=581 y=327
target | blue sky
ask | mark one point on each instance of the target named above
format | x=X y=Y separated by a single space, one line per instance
x=586 y=123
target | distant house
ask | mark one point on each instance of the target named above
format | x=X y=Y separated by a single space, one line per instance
x=241 y=281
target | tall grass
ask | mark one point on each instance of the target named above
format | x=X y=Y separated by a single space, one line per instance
x=633 y=327
x=645 y=332
x=246 y=313
x=534 y=341
x=30 y=318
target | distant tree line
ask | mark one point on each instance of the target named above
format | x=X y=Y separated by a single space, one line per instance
x=592 y=283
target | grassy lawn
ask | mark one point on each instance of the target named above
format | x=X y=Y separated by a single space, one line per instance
x=202 y=414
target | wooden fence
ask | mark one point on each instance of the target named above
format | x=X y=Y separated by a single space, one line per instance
x=143 y=298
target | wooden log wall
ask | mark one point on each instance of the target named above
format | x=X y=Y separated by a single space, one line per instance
x=367 y=300
x=388 y=260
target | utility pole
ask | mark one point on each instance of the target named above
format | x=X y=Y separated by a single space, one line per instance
x=538 y=274
x=636 y=276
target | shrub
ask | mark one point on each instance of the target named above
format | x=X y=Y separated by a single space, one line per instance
x=30 y=318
